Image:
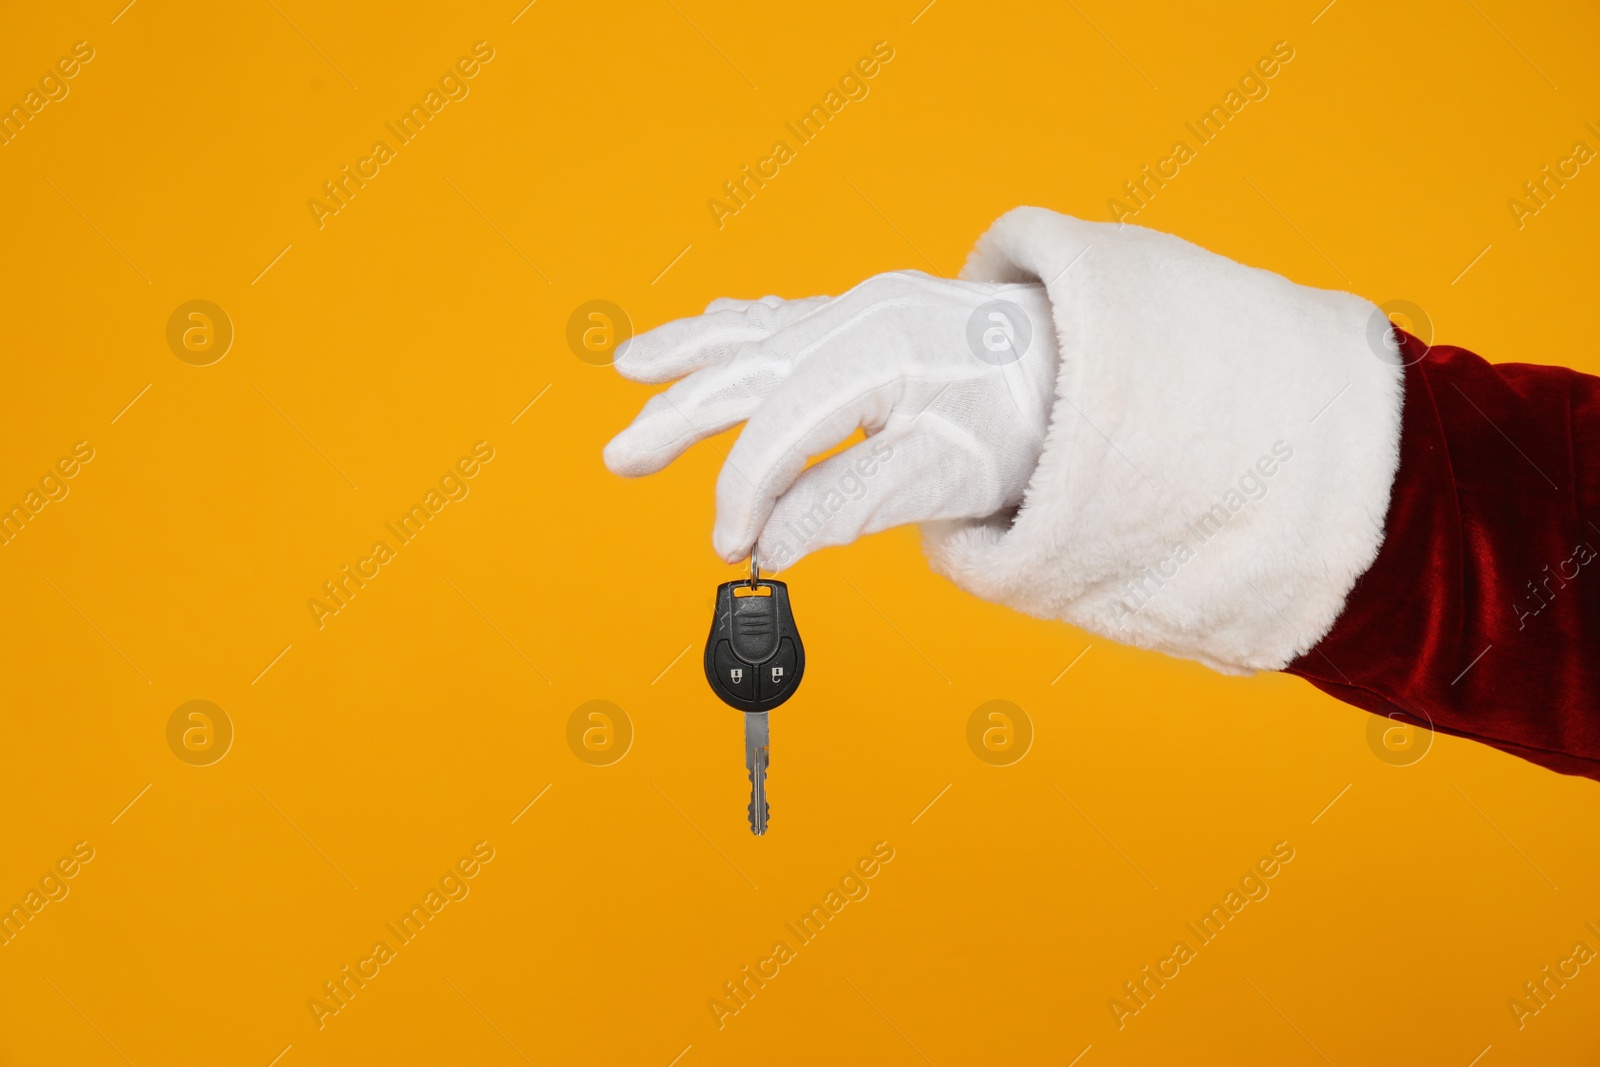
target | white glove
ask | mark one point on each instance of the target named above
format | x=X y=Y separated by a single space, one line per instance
x=952 y=381
x=1208 y=474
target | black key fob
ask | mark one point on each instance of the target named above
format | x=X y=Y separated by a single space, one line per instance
x=754 y=658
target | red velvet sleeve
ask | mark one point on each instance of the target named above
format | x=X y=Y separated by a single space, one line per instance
x=1480 y=616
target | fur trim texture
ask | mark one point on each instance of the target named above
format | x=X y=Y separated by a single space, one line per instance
x=1220 y=454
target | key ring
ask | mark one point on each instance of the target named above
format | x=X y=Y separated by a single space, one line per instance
x=755 y=568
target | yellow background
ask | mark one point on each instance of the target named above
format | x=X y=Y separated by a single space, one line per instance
x=427 y=714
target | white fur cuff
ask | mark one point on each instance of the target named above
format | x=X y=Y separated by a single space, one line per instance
x=1220 y=454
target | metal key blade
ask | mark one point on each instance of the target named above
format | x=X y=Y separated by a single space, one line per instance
x=757 y=745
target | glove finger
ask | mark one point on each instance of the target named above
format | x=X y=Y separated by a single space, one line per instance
x=702 y=405
x=683 y=346
x=857 y=366
x=914 y=473
x=847 y=373
x=718 y=397
x=824 y=401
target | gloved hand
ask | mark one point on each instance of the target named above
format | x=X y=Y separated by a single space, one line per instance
x=1217 y=447
x=952 y=381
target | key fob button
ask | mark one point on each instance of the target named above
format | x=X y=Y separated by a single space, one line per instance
x=755 y=626
x=733 y=674
x=774 y=676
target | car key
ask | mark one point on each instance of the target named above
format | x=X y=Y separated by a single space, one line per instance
x=754 y=661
